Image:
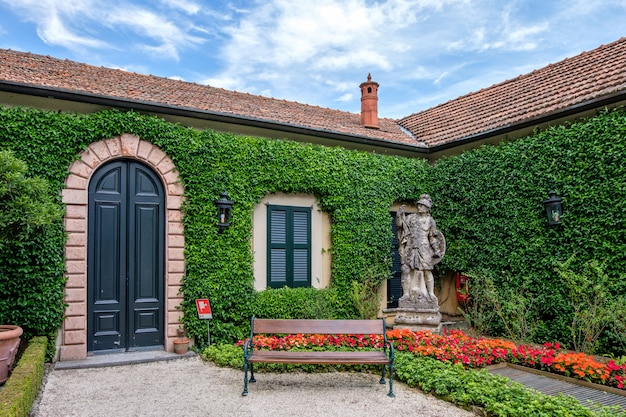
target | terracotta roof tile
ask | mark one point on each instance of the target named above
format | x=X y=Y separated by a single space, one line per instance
x=38 y=70
x=558 y=86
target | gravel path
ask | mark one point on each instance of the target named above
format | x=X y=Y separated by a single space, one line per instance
x=191 y=387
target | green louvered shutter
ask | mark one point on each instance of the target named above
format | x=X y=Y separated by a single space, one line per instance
x=289 y=246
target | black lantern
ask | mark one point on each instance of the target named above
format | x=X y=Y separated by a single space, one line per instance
x=224 y=209
x=554 y=208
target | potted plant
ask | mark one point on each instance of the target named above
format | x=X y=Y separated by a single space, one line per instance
x=9 y=343
x=181 y=345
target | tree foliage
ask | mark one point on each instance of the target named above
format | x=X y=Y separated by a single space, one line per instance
x=31 y=251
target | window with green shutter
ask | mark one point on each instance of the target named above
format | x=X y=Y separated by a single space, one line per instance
x=288 y=246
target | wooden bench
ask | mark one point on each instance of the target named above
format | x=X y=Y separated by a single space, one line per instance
x=383 y=357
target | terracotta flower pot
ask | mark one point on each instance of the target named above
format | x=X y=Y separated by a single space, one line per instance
x=181 y=345
x=9 y=343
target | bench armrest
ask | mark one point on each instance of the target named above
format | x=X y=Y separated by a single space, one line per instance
x=249 y=344
x=247 y=347
x=390 y=345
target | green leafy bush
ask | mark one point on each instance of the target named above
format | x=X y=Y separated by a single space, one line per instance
x=593 y=303
x=497 y=395
x=509 y=309
x=26 y=205
x=224 y=355
x=298 y=303
x=364 y=292
x=31 y=251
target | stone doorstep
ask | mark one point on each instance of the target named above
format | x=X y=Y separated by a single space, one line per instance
x=124 y=358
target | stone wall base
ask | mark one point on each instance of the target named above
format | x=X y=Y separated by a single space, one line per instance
x=416 y=319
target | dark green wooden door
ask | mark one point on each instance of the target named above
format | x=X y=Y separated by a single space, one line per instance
x=394 y=284
x=125 y=261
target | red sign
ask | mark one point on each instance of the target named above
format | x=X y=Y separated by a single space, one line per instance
x=204 y=308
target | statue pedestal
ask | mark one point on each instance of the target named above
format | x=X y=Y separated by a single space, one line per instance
x=417 y=315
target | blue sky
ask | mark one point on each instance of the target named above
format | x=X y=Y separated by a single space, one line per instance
x=421 y=52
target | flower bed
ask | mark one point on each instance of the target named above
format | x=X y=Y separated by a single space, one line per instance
x=457 y=347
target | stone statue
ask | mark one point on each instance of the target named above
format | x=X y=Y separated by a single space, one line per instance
x=421 y=247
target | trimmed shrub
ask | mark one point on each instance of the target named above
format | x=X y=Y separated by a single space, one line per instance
x=22 y=387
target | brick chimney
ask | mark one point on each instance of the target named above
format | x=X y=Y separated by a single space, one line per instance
x=369 y=103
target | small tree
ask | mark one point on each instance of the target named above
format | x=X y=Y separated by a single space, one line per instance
x=593 y=304
x=513 y=306
x=25 y=203
x=31 y=252
x=364 y=294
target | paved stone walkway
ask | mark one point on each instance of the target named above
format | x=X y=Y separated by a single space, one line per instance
x=552 y=386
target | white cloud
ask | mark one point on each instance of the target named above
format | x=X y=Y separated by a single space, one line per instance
x=189 y=7
x=59 y=22
x=227 y=83
x=168 y=36
x=345 y=98
x=285 y=33
x=326 y=37
x=422 y=52
x=54 y=32
x=80 y=25
x=504 y=30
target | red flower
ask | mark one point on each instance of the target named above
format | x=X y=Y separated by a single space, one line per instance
x=456 y=347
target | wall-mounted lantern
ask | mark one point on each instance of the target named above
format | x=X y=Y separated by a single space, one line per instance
x=224 y=210
x=554 y=208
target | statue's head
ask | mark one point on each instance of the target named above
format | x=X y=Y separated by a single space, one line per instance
x=425 y=201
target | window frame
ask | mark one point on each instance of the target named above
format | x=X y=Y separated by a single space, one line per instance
x=289 y=246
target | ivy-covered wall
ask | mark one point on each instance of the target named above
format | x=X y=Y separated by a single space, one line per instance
x=487 y=202
x=489 y=206
x=356 y=188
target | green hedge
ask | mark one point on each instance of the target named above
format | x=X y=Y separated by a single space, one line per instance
x=299 y=303
x=497 y=395
x=22 y=387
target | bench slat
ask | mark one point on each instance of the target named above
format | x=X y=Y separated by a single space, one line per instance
x=348 y=358
x=318 y=326
x=329 y=327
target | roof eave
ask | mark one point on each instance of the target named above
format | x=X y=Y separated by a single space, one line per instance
x=161 y=108
x=608 y=100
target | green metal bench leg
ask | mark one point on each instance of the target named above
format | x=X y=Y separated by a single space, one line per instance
x=391 y=394
x=252 y=373
x=245 y=379
x=382 y=376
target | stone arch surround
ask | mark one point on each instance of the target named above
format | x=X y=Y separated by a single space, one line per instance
x=72 y=343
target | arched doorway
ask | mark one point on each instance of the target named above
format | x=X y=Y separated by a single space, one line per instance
x=125 y=259
x=74 y=335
